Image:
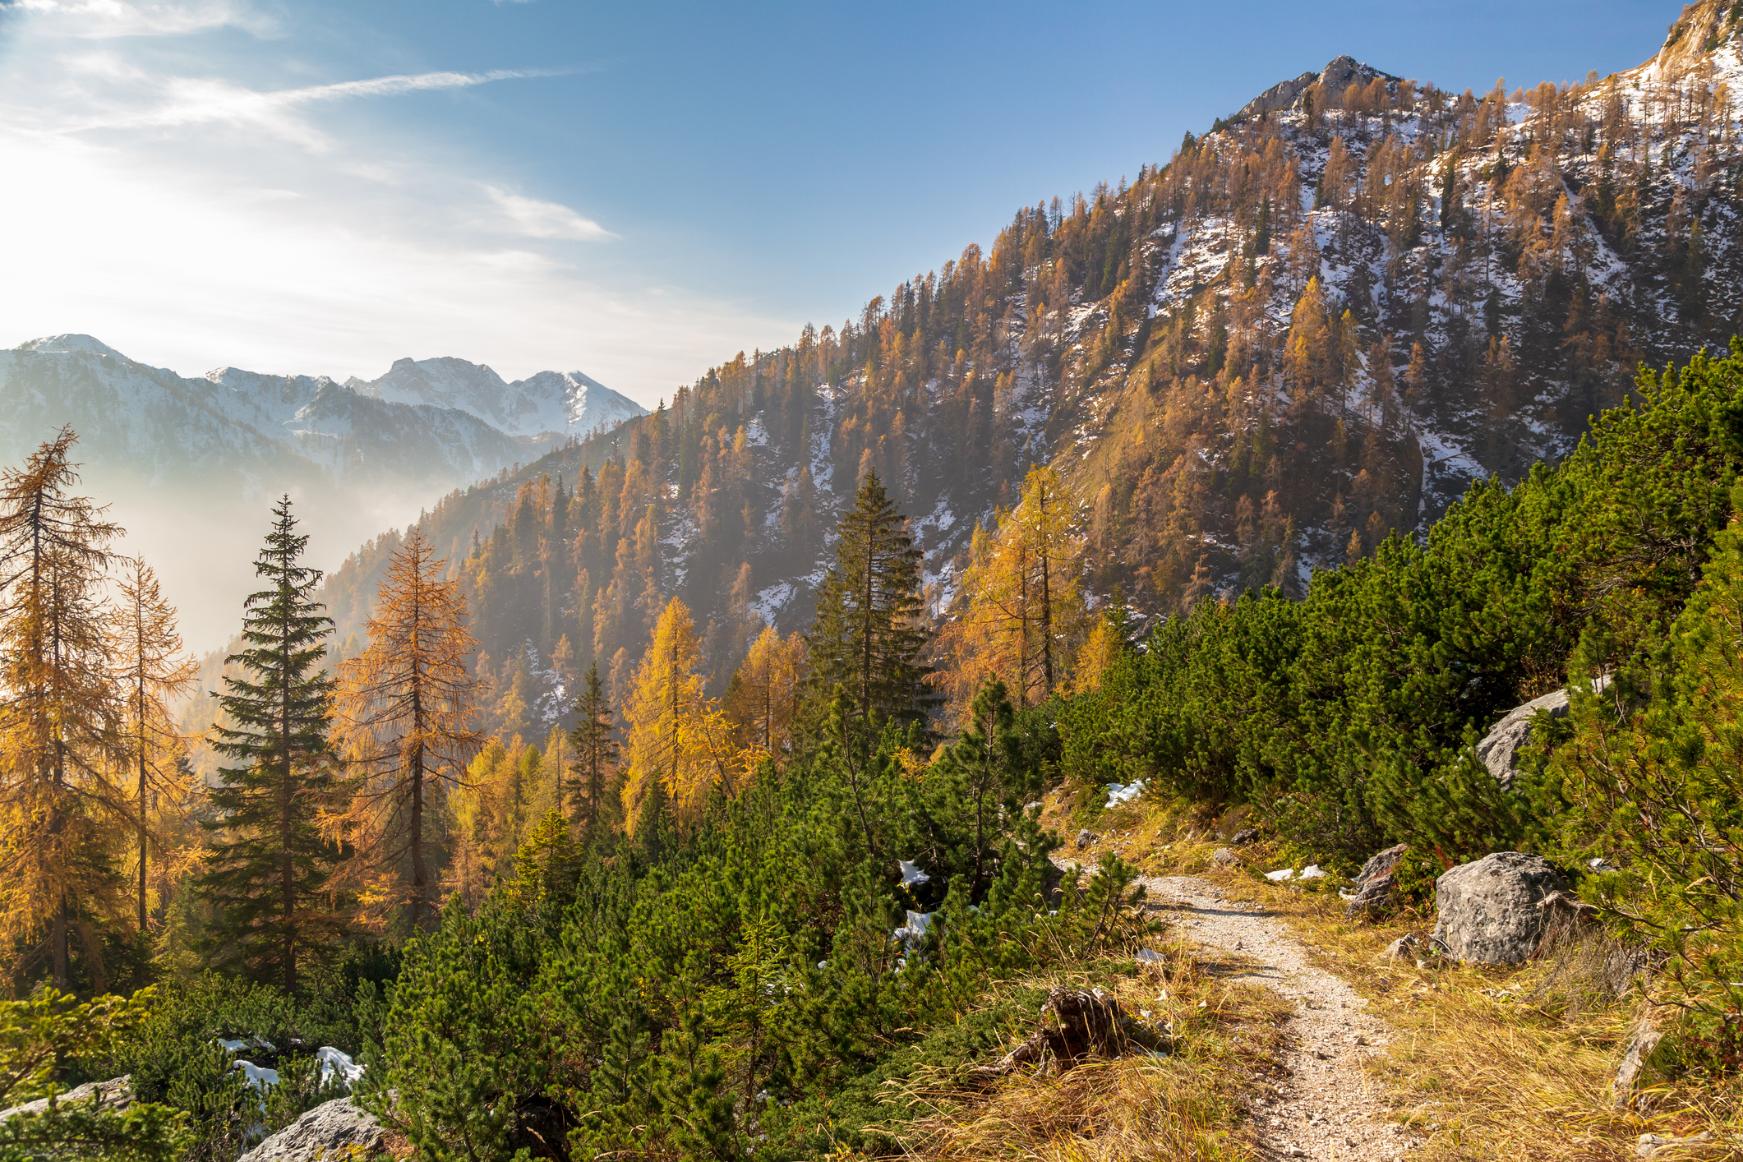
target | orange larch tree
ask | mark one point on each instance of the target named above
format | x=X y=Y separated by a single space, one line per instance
x=405 y=707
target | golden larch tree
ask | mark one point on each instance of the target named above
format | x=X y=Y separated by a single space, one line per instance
x=60 y=713
x=1023 y=611
x=405 y=707
x=155 y=673
x=763 y=697
x=676 y=734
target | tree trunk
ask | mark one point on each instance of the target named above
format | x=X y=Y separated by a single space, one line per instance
x=286 y=865
x=140 y=743
x=1046 y=597
x=420 y=874
x=865 y=618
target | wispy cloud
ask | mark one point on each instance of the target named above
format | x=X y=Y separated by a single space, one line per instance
x=539 y=219
x=196 y=101
x=114 y=19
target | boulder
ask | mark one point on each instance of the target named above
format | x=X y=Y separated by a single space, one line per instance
x=331 y=1131
x=1407 y=947
x=1371 y=896
x=114 y=1094
x=1085 y=837
x=1489 y=911
x=1245 y=836
x=1499 y=749
x=1223 y=857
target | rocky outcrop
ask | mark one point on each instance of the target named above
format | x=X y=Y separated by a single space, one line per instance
x=1339 y=74
x=1076 y=1025
x=1490 y=910
x=1409 y=947
x=1499 y=749
x=114 y=1094
x=1371 y=897
x=331 y=1131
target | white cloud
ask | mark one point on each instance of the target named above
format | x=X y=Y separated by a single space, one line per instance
x=537 y=219
x=197 y=101
x=112 y=19
x=188 y=272
x=163 y=213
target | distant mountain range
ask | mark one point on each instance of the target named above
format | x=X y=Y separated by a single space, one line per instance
x=174 y=453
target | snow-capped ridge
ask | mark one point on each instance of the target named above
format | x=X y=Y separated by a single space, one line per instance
x=544 y=407
x=70 y=343
x=1702 y=29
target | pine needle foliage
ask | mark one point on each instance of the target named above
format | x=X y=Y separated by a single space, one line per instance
x=271 y=864
x=593 y=766
x=870 y=635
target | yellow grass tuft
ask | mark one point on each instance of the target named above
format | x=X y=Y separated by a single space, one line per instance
x=1185 y=1103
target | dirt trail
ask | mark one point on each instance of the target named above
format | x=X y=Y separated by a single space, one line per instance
x=1322 y=1107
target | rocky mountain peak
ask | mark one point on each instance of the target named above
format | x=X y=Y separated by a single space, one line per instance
x=1703 y=27
x=1338 y=75
x=70 y=344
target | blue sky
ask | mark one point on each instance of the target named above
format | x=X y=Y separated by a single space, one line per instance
x=633 y=189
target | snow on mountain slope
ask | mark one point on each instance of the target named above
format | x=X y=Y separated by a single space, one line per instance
x=550 y=404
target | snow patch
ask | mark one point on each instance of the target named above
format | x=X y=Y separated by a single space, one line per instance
x=1124 y=792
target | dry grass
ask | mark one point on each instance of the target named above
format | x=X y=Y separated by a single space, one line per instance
x=1171 y=838
x=1181 y=1104
x=1484 y=1064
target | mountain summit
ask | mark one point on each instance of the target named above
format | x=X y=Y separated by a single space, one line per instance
x=548 y=404
x=1709 y=29
x=1333 y=81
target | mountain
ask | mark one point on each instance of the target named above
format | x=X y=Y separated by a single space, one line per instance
x=551 y=404
x=1319 y=322
x=162 y=446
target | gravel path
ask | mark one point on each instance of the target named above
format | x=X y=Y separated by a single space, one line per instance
x=1322 y=1106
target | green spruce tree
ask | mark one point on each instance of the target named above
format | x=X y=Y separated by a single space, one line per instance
x=871 y=626
x=270 y=866
x=595 y=741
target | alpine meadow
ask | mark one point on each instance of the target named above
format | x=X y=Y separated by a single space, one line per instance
x=1243 y=663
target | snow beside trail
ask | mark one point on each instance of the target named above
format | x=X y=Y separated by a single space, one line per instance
x=914 y=929
x=1124 y=792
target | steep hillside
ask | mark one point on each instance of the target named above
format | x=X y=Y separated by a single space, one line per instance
x=163 y=446
x=1317 y=323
